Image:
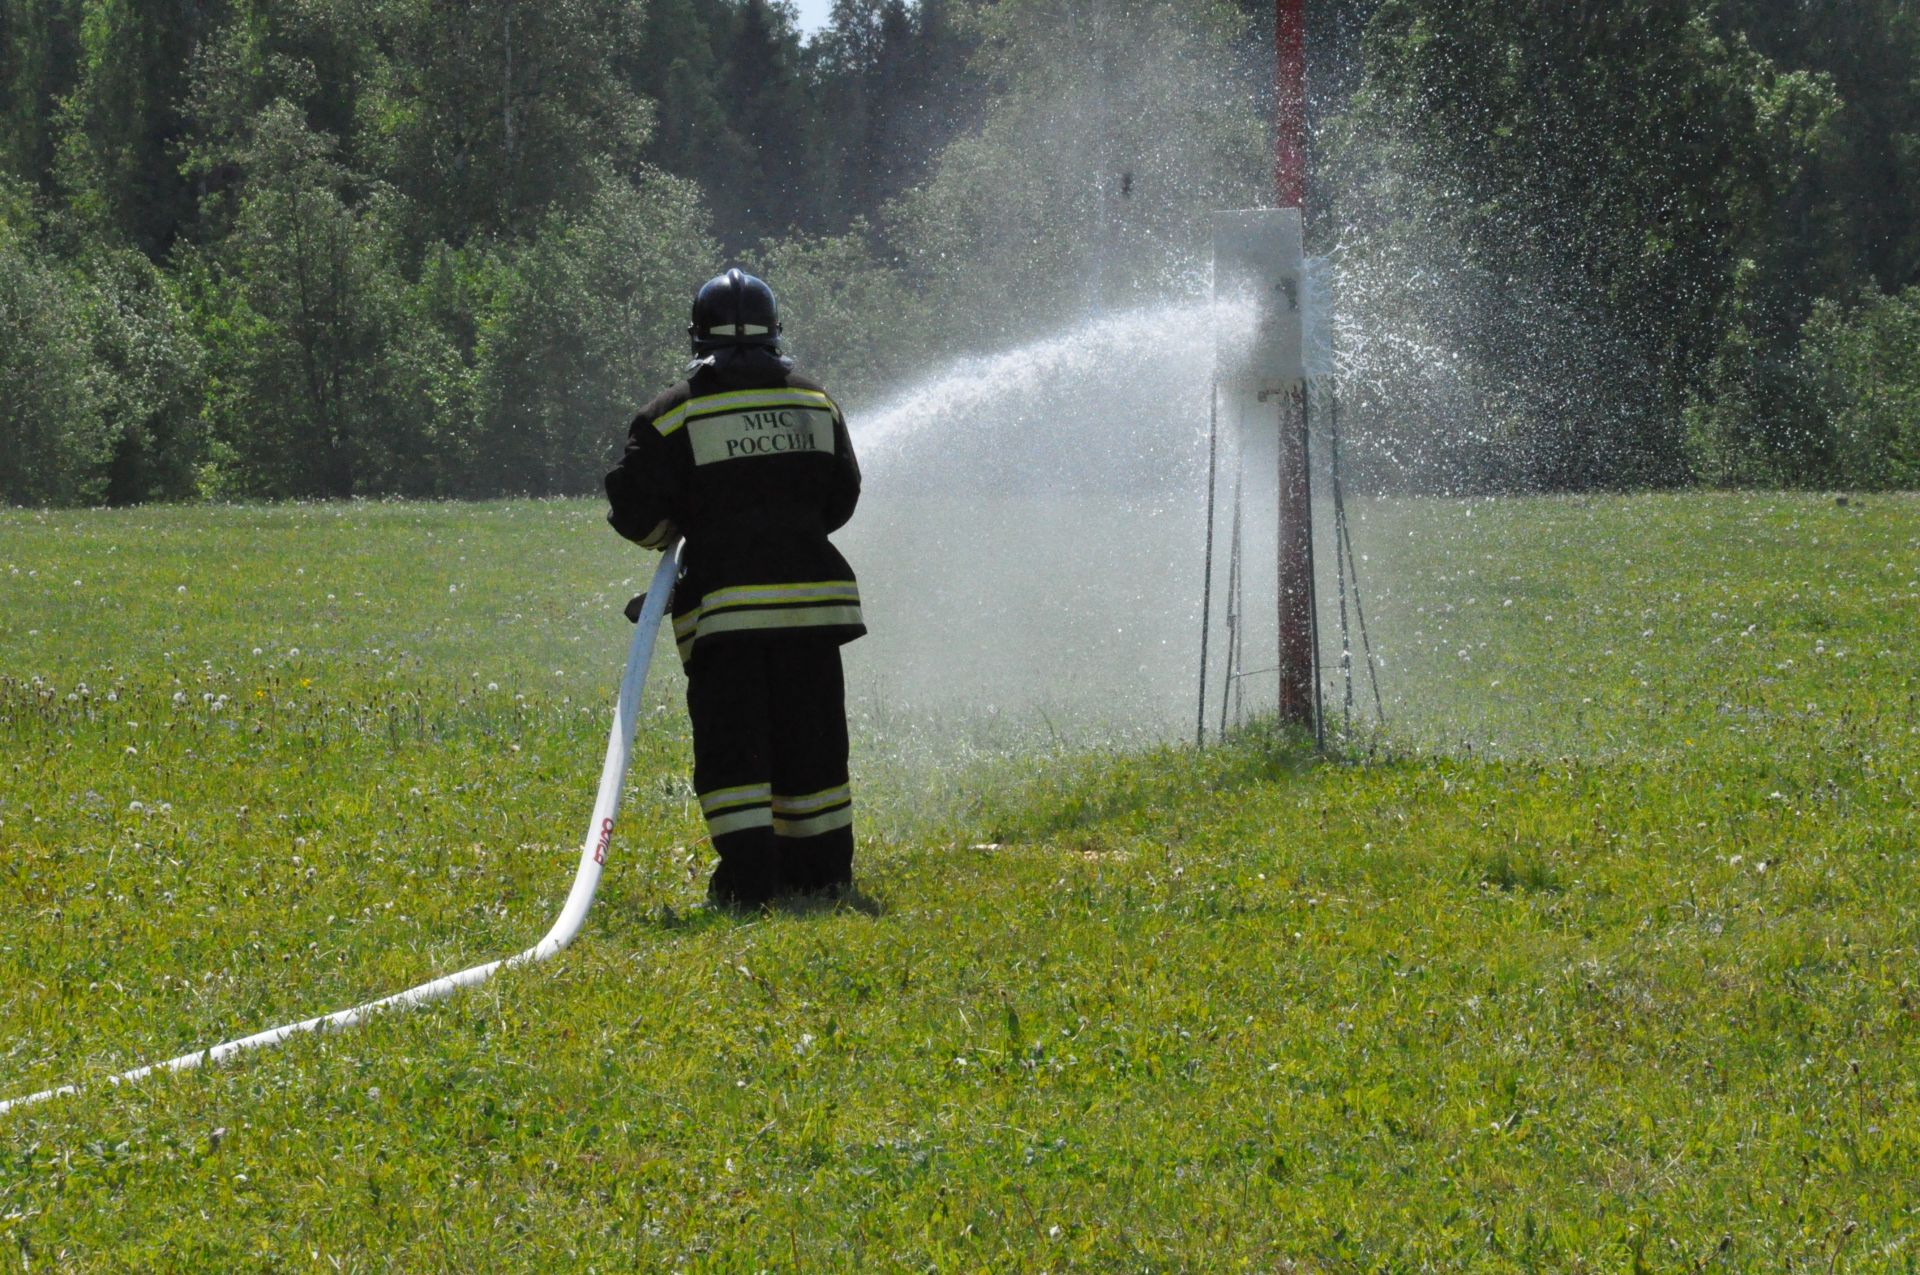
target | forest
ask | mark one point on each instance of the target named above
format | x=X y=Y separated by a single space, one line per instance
x=443 y=248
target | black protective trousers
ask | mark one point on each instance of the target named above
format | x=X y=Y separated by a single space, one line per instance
x=770 y=764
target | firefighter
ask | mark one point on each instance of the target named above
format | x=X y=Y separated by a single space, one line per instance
x=750 y=461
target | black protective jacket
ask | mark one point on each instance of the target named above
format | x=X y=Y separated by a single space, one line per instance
x=751 y=462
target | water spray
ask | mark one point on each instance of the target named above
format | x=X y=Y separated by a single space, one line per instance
x=573 y=913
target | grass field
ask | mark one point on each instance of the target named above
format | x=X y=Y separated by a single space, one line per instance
x=1605 y=957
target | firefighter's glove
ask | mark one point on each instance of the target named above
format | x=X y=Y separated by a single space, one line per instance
x=633 y=607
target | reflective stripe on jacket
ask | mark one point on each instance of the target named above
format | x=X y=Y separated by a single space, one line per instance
x=829 y=604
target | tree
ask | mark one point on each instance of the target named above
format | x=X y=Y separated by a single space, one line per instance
x=736 y=112
x=310 y=301
x=895 y=88
x=492 y=113
x=1863 y=370
x=589 y=323
x=319 y=59
x=56 y=444
x=151 y=372
x=1851 y=219
x=122 y=127
x=39 y=62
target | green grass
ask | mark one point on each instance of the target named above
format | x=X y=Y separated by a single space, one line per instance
x=1603 y=958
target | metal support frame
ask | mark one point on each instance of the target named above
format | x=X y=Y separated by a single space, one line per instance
x=1233 y=692
x=1206 y=587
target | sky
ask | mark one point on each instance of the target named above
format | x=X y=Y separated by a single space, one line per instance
x=813 y=14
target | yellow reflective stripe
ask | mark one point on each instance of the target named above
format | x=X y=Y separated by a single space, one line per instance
x=784 y=618
x=663 y=531
x=725 y=798
x=700 y=619
x=842 y=818
x=739 y=821
x=772 y=397
x=812 y=801
x=768 y=594
x=672 y=420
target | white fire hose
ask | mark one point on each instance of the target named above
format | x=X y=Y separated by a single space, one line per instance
x=586 y=879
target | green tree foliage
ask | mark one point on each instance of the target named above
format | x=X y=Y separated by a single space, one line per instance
x=896 y=86
x=492 y=112
x=151 y=365
x=735 y=112
x=54 y=439
x=1864 y=372
x=319 y=58
x=312 y=302
x=1852 y=218
x=122 y=125
x=589 y=317
x=39 y=61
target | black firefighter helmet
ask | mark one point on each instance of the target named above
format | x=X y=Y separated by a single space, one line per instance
x=733 y=309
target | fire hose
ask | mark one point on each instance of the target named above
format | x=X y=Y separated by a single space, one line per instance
x=573 y=913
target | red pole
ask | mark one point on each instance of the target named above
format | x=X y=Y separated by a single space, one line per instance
x=1296 y=652
x=1297 y=662
x=1290 y=103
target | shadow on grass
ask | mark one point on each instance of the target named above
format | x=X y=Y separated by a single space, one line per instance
x=705 y=916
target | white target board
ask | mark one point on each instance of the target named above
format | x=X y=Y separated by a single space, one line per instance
x=1259 y=291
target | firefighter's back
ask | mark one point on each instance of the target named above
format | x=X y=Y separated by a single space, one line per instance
x=769 y=474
